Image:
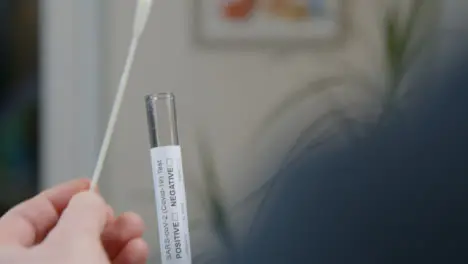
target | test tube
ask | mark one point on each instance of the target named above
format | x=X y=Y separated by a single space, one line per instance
x=162 y=120
x=168 y=179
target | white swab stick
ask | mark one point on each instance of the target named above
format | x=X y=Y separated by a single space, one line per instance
x=142 y=13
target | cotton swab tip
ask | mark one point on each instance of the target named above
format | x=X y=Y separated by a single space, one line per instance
x=142 y=14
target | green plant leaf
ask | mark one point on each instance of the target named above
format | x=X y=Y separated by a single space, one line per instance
x=427 y=13
x=217 y=212
x=313 y=88
x=391 y=37
x=414 y=18
x=404 y=46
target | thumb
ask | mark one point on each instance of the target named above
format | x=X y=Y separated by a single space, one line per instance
x=82 y=221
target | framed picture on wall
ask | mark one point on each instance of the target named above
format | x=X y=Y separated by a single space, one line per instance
x=269 y=23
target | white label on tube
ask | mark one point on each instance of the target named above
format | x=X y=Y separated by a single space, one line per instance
x=171 y=205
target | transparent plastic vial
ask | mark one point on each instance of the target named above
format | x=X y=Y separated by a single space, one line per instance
x=168 y=179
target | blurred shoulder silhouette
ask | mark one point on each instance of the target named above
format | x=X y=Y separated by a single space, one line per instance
x=398 y=196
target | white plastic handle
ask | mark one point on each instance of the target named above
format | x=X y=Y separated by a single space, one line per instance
x=142 y=14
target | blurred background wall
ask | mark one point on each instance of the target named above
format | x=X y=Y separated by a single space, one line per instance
x=71 y=88
x=224 y=98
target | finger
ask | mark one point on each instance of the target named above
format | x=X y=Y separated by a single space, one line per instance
x=82 y=222
x=124 y=229
x=29 y=222
x=135 y=252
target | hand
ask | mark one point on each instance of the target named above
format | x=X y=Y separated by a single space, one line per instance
x=68 y=224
